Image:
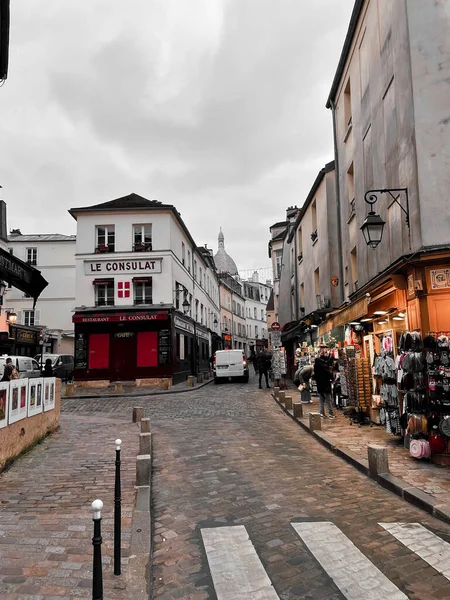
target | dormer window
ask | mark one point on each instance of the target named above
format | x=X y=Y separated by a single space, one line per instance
x=105 y=239
x=142 y=238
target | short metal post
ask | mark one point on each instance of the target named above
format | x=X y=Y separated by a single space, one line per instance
x=97 y=576
x=117 y=512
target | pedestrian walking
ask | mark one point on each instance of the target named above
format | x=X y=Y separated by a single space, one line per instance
x=8 y=370
x=264 y=365
x=303 y=376
x=323 y=377
x=48 y=368
x=253 y=358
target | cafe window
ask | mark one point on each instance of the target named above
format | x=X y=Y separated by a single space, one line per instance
x=142 y=238
x=142 y=291
x=104 y=292
x=105 y=235
x=32 y=256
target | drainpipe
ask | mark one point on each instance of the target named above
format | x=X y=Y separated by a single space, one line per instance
x=295 y=275
x=338 y=204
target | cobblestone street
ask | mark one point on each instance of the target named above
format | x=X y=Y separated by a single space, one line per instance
x=228 y=456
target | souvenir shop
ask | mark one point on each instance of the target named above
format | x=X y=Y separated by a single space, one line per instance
x=395 y=363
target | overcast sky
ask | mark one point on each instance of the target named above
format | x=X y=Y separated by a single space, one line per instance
x=215 y=106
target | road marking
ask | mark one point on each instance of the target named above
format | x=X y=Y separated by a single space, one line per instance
x=351 y=571
x=236 y=570
x=431 y=548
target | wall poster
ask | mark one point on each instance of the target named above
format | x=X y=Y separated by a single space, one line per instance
x=4 y=398
x=35 y=396
x=49 y=393
x=18 y=392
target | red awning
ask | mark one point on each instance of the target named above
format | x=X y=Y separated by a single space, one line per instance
x=142 y=279
x=103 y=282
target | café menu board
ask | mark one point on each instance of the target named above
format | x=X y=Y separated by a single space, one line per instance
x=80 y=351
x=164 y=347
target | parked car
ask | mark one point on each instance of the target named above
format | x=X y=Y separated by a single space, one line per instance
x=230 y=364
x=63 y=364
x=27 y=367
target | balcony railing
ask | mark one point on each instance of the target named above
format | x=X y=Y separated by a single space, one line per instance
x=314 y=237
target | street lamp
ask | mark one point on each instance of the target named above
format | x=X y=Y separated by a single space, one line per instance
x=373 y=225
x=186 y=304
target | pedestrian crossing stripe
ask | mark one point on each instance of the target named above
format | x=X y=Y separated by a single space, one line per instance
x=238 y=573
x=351 y=571
x=431 y=548
x=236 y=569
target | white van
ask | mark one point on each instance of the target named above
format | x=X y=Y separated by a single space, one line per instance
x=230 y=364
x=26 y=366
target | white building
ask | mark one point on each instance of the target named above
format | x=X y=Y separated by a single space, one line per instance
x=147 y=297
x=54 y=256
x=256 y=295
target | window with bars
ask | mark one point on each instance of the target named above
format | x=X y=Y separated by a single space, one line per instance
x=104 y=294
x=143 y=292
x=142 y=238
x=32 y=256
x=105 y=235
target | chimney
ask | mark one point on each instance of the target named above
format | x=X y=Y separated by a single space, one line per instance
x=291 y=212
x=255 y=277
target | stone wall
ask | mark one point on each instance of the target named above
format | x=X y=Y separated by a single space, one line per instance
x=23 y=434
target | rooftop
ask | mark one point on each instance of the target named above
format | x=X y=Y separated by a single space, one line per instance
x=40 y=237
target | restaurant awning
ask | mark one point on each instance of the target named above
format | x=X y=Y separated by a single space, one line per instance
x=21 y=275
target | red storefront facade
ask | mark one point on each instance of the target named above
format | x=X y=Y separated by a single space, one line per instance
x=115 y=345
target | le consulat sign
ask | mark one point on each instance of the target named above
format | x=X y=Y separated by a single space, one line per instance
x=122 y=266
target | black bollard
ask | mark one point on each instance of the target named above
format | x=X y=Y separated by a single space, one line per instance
x=117 y=512
x=97 y=576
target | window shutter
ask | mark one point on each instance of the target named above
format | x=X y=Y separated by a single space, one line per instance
x=37 y=317
x=19 y=317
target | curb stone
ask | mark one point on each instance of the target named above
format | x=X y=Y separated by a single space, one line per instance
x=139 y=575
x=407 y=492
x=155 y=393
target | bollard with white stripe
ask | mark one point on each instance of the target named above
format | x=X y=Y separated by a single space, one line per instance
x=97 y=575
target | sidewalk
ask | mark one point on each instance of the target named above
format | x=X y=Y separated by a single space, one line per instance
x=131 y=390
x=350 y=442
x=45 y=519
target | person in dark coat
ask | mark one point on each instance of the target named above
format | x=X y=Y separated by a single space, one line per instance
x=8 y=370
x=264 y=365
x=48 y=369
x=303 y=376
x=323 y=376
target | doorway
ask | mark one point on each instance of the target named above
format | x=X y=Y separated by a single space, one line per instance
x=123 y=356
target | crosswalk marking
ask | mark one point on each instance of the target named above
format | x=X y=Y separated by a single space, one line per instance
x=431 y=548
x=351 y=571
x=236 y=570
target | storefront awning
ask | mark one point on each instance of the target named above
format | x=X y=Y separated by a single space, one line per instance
x=349 y=313
x=21 y=275
x=142 y=279
x=103 y=281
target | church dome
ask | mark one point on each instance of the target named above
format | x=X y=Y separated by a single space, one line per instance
x=224 y=262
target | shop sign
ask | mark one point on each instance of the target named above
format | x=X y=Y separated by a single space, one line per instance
x=21 y=275
x=109 y=267
x=183 y=325
x=202 y=334
x=440 y=279
x=121 y=317
x=26 y=337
